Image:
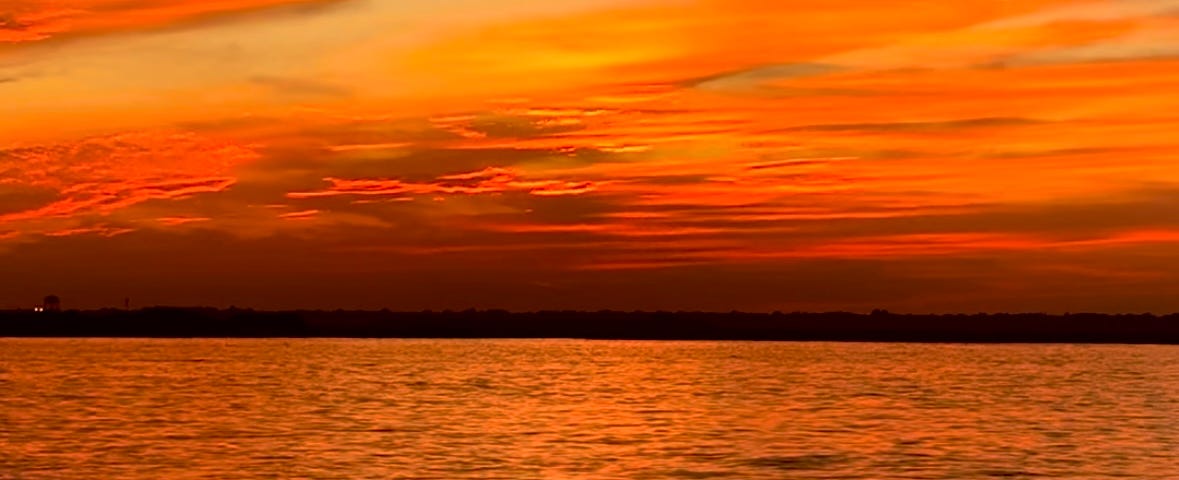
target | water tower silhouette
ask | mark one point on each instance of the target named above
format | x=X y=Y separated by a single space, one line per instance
x=52 y=303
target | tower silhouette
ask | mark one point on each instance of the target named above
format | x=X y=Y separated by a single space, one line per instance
x=52 y=303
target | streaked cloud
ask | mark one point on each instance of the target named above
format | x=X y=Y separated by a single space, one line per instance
x=103 y=176
x=746 y=154
x=492 y=180
x=37 y=20
x=305 y=214
x=178 y=221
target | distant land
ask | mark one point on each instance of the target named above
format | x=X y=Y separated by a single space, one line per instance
x=882 y=326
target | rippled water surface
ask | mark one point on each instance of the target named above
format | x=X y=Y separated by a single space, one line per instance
x=565 y=409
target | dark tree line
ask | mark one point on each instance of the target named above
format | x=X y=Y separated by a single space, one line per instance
x=835 y=326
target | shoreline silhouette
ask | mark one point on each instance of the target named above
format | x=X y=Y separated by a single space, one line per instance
x=879 y=326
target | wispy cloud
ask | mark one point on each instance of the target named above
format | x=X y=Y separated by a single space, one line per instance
x=104 y=231
x=178 y=221
x=104 y=175
x=37 y=20
x=492 y=180
x=301 y=215
x=637 y=147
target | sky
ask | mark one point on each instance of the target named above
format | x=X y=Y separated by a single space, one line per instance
x=758 y=155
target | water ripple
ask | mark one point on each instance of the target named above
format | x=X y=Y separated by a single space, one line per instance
x=564 y=409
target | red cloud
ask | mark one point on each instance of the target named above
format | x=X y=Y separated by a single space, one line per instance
x=110 y=197
x=101 y=230
x=105 y=174
x=306 y=214
x=36 y=20
x=488 y=180
x=177 y=221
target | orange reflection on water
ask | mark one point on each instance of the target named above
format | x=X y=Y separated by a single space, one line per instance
x=577 y=409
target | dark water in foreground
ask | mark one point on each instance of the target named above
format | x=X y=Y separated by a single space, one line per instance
x=566 y=409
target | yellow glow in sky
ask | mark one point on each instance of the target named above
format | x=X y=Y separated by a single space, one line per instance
x=749 y=154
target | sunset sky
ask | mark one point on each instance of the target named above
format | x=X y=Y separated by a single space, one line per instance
x=922 y=156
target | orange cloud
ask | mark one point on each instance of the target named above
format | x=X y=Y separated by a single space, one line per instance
x=639 y=136
x=104 y=175
x=489 y=180
x=178 y=221
x=303 y=215
x=892 y=247
x=35 y=20
x=102 y=231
